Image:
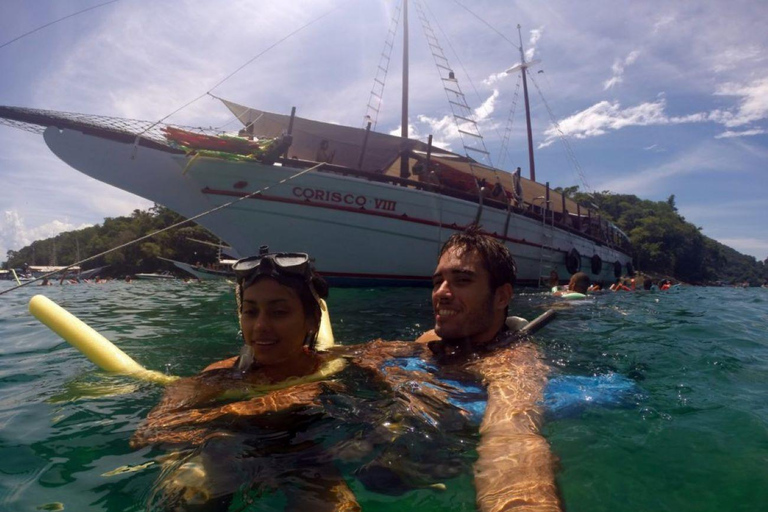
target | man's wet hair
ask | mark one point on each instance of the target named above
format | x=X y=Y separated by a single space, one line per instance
x=496 y=258
x=580 y=282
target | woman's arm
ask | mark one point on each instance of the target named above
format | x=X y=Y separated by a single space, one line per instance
x=515 y=468
x=182 y=416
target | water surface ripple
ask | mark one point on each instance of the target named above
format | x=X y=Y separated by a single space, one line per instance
x=692 y=435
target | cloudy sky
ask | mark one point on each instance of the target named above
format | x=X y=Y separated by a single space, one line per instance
x=654 y=98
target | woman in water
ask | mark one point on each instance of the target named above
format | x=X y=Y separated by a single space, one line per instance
x=257 y=442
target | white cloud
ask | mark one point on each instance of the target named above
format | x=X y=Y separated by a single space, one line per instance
x=663 y=22
x=14 y=235
x=445 y=130
x=746 y=133
x=699 y=160
x=753 y=103
x=530 y=51
x=606 y=116
x=485 y=110
x=734 y=57
x=494 y=78
x=618 y=69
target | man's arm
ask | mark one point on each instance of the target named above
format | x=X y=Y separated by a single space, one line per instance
x=515 y=468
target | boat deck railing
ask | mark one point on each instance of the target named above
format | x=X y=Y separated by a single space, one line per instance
x=597 y=231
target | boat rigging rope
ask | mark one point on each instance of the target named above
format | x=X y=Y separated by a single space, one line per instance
x=469 y=78
x=380 y=79
x=150 y=235
x=486 y=23
x=562 y=137
x=250 y=61
x=504 y=150
x=54 y=22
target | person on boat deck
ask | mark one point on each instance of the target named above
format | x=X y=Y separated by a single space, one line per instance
x=279 y=306
x=579 y=283
x=425 y=175
x=472 y=288
x=323 y=153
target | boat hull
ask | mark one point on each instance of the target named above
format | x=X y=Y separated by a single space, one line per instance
x=360 y=231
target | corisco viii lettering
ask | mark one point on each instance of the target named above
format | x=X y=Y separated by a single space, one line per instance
x=343 y=198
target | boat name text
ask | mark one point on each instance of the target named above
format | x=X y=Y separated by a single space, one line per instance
x=329 y=196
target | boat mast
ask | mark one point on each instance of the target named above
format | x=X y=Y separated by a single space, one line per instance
x=523 y=69
x=404 y=171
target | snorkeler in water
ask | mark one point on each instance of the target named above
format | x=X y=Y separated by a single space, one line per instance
x=472 y=340
x=279 y=306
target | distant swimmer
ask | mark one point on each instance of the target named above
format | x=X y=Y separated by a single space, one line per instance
x=579 y=283
x=619 y=286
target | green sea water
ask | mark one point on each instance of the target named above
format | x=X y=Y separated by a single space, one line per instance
x=694 y=437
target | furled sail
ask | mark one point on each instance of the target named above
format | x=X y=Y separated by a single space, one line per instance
x=344 y=143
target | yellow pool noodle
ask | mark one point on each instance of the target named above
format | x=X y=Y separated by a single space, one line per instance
x=93 y=345
x=325 y=333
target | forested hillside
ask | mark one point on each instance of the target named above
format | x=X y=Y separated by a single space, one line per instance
x=664 y=242
x=67 y=248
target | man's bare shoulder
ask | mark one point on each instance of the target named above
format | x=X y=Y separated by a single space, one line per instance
x=428 y=336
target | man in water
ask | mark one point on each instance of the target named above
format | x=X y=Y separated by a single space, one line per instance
x=472 y=287
x=579 y=283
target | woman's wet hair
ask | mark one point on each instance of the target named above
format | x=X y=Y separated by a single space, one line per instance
x=497 y=259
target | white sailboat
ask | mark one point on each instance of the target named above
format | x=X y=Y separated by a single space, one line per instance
x=375 y=212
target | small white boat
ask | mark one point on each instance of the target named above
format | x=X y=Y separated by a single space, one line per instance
x=156 y=275
x=222 y=270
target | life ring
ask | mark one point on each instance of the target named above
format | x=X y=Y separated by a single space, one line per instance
x=617 y=268
x=630 y=269
x=597 y=264
x=573 y=296
x=573 y=261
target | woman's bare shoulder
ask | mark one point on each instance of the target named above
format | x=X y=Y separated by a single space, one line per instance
x=221 y=365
